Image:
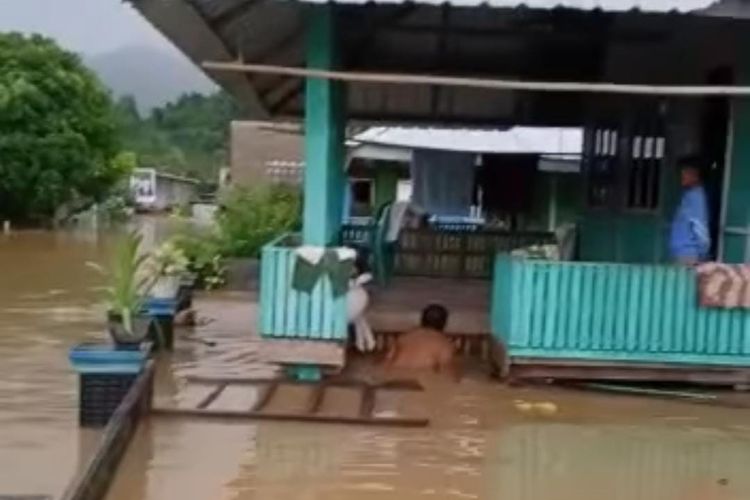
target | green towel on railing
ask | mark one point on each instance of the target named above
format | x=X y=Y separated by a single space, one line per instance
x=313 y=263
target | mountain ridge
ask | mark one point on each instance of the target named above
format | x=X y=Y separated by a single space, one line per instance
x=152 y=76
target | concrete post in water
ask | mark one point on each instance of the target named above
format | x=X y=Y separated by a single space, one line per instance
x=6 y=227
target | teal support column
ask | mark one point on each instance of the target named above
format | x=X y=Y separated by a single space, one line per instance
x=324 y=134
x=736 y=220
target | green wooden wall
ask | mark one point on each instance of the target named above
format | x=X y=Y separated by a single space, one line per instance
x=738 y=191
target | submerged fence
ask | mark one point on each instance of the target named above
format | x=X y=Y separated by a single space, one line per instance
x=289 y=313
x=612 y=312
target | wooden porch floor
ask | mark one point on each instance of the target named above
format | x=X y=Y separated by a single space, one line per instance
x=397 y=307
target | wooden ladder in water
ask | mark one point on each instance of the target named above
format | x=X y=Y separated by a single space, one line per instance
x=206 y=407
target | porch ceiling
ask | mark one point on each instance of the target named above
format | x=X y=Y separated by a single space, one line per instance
x=545 y=40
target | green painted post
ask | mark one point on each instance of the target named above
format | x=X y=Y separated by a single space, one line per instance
x=737 y=188
x=386 y=185
x=324 y=134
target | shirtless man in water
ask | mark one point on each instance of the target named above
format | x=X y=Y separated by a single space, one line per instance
x=426 y=347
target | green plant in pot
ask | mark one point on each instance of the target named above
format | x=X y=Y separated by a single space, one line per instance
x=168 y=264
x=126 y=292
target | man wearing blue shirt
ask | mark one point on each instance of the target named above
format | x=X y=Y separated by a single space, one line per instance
x=689 y=239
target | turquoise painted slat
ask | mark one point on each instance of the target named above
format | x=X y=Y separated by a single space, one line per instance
x=266 y=287
x=657 y=317
x=610 y=311
x=315 y=328
x=587 y=298
x=621 y=308
x=280 y=297
x=552 y=305
x=701 y=319
x=722 y=333
x=327 y=311
x=687 y=288
x=290 y=320
x=304 y=315
x=616 y=312
x=676 y=314
x=540 y=307
x=523 y=335
x=563 y=312
x=575 y=305
x=646 y=311
x=634 y=291
x=743 y=329
x=735 y=324
x=599 y=304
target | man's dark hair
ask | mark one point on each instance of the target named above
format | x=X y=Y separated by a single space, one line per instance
x=434 y=316
x=693 y=162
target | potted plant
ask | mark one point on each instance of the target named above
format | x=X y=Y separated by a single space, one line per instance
x=168 y=264
x=126 y=293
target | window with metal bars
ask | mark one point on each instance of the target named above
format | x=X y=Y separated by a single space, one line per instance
x=644 y=170
x=602 y=161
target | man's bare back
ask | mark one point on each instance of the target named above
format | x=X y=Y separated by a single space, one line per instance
x=422 y=349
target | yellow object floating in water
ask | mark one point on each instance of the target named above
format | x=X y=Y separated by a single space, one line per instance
x=543 y=408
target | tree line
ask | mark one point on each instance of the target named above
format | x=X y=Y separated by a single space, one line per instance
x=65 y=144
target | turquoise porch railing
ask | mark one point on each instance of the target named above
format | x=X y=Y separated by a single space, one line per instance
x=612 y=312
x=286 y=312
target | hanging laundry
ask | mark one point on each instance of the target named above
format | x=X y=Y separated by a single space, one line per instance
x=314 y=263
x=443 y=182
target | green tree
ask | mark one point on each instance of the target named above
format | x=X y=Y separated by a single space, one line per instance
x=58 y=135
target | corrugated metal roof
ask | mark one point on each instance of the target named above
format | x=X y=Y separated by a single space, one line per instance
x=683 y=6
x=515 y=140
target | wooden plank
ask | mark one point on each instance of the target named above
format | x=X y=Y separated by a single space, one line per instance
x=288 y=417
x=636 y=372
x=235 y=398
x=211 y=396
x=303 y=351
x=367 y=403
x=317 y=395
x=266 y=397
x=481 y=83
x=191 y=395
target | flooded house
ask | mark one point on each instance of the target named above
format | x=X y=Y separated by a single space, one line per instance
x=647 y=81
x=155 y=191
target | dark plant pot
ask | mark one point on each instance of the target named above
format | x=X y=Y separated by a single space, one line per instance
x=185 y=297
x=99 y=396
x=161 y=332
x=105 y=376
x=121 y=338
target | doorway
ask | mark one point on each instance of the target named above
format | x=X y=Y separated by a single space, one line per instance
x=714 y=132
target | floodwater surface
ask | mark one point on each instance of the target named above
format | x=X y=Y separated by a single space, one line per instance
x=50 y=300
x=485 y=441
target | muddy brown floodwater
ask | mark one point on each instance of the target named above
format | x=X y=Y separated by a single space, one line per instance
x=485 y=441
x=49 y=301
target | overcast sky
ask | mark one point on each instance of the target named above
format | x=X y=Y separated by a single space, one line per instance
x=86 y=26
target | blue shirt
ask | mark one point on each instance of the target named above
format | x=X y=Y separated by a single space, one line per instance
x=689 y=236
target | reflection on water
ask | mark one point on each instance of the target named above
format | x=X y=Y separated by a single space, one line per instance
x=49 y=300
x=479 y=446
